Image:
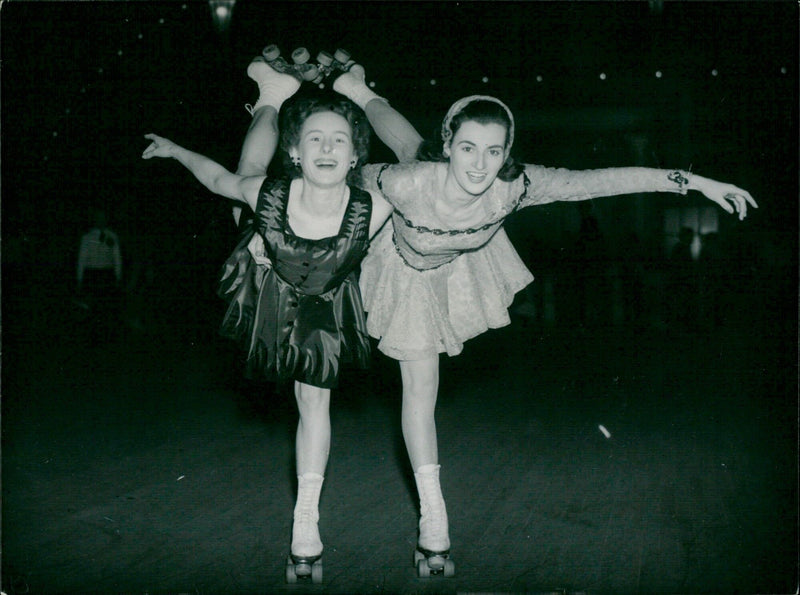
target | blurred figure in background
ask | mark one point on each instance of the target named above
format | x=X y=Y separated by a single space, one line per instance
x=99 y=274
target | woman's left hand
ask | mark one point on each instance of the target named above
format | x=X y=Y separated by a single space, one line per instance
x=728 y=196
x=159 y=147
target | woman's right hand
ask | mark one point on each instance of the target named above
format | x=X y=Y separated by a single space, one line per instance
x=159 y=147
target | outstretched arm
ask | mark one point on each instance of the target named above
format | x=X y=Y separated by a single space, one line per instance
x=208 y=172
x=558 y=184
x=389 y=125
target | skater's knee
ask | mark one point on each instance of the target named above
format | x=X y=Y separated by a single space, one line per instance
x=311 y=397
x=420 y=379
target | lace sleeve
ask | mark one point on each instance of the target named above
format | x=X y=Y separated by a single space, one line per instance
x=559 y=184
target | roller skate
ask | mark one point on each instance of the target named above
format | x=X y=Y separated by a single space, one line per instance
x=274 y=86
x=299 y=68
x=432 y=555
x=352 y=84
x=305 y=560
x=330 y=67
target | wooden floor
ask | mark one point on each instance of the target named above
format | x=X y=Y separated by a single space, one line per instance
x=148 y=466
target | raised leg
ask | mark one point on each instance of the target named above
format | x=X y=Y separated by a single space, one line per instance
x=261 y=139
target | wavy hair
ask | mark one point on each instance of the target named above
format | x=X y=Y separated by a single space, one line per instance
x=298 y=109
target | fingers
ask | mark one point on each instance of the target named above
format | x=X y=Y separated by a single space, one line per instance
x=157 y=143
x=741 y=198
x=151 y=148
x=750 y=199
x=724 y=204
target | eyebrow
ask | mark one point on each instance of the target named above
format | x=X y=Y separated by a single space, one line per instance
x=320 y=131
x=469 y=142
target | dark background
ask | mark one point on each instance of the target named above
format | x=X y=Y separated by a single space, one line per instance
x=696 y=492
x=84 y=81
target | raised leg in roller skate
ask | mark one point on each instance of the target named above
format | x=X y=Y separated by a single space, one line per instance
x=274 y=86
x=261 y=140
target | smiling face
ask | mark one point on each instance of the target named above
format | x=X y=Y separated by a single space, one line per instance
x=325 y=149
x=477 y=152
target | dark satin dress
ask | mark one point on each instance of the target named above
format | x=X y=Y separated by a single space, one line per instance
x=300 y=317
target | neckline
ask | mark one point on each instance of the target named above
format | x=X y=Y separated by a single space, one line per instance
x=287 y=228
x=439 y=197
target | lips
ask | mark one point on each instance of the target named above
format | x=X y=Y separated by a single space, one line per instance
x=326 y=163
x=476 y=178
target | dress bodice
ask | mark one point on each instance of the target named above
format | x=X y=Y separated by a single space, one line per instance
x=312 y=267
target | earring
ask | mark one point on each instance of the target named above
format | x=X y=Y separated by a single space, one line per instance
x=353 y=164
x=296 y=161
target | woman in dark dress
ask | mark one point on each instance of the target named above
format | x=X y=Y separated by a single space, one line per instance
x=292 y=282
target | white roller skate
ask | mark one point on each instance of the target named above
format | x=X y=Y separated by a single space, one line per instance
x=299 y=68
x=432 y=555
x=274 y=86
x=352 y=84
x=305 y=559
x=330 y=67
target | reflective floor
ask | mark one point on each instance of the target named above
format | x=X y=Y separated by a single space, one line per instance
x=572 y=462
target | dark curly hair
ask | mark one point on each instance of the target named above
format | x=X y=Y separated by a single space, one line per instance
x=298 y=109
x=483 y=112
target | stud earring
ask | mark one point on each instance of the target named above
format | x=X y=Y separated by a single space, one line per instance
x=296 y=161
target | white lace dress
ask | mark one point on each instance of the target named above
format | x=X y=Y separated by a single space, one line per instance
x=427 y=287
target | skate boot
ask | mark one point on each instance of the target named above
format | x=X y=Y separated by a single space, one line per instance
x=432 y=555
x=305 y=559
x=274 y=86
x=352 y=84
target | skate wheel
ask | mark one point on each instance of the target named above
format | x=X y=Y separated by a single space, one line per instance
x=418 y=555
x=311 y=73
x=271 y=52
x=316 y=572
x=300 y=56
x=325 y=58
x=423 y=570
x=291 y=575
x=449 y=569
x=436 y=564
x=341 y=56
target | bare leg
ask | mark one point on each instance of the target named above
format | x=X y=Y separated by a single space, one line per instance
x=420 y=387
x=312 y=447
x=261 y=140
x=313 y=441
x=259 y=146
